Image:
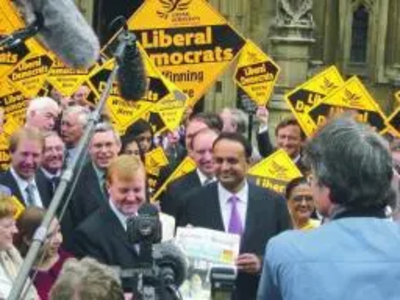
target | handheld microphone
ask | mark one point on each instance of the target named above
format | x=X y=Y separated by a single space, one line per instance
x=131 y=74
x=64 y=31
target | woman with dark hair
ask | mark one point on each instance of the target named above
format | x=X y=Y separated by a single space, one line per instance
x=131 y=146
x=301 y=204
x=144 y=134
x=51 y=257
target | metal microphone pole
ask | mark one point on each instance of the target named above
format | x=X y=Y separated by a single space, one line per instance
x=67 y=176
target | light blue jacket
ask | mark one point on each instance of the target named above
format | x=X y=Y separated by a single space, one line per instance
x=346 y=259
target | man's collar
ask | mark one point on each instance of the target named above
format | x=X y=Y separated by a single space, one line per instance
x=50 y=175
x=22 y=183
x=120 y=216
x=242 y=194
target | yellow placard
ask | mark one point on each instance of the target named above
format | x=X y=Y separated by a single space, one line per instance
x=4 y=152
x=275 y=171
x=170 y=102
x=351 y=96
x=10 y=22
x=397 y=96
x=66 y=80
x=14 y=104
x=313 y=91
x=186 y=166
x=256 y=73
x=29 y=75
x=172 y=107
x=188 y=40
x=19 y=208
x=123 y=113
x=154 y=160
x=394 y=122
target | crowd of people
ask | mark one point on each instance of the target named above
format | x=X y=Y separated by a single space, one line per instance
x=349 y=184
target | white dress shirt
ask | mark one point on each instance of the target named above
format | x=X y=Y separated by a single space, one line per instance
x=121 y=217
x=23 y=184
x=224 y=195
x=203 y=178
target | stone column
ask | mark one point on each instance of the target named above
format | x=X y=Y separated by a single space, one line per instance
x=291 y=39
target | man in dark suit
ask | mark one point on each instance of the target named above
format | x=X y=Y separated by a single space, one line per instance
x=234 y=205
x=26 y=148
x=204 y=174
x=103 y=235
x=289 y=137
x=52 y=162
x=90 y=190
x=194 y=124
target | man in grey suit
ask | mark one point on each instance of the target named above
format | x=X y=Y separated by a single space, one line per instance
x=237 y=206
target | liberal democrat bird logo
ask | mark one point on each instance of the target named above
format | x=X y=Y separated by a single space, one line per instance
x=352 y=99
x=328 y=85
x=278 y=171
x=170 y=6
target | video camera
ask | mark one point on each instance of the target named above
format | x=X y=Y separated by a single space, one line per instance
x=161 y=267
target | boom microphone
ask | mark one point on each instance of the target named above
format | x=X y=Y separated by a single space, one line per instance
x=131 y=73
x=172 y=263
x=65 y=31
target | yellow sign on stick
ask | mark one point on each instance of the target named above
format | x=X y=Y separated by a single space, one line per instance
x=4 y=152
x=10 y=22
x=394 y=122
x=14 y=104
x=397 y=95
x=172 y=107
x=275 y=171
x=351 y=96
x=123 y=113
x=155 y=159
x=186 y=166
x=64 y=79
x=256 y=73
x=29 y=75
x=302 y=98
x=188 y=40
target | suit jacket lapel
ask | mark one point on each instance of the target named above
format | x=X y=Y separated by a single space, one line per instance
x=215 y=208
x=97 y=190
x=12 y=184
x=115 y=226
x=251 y=216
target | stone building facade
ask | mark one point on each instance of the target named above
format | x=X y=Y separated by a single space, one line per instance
x=360 y=37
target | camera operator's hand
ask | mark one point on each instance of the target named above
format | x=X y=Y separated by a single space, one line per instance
x=248 y=263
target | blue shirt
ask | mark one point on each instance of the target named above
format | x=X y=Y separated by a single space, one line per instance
x=346 y=259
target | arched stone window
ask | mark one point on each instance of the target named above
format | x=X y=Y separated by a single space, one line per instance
x=359 y=35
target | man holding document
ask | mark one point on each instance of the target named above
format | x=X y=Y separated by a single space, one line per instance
x=237 y=206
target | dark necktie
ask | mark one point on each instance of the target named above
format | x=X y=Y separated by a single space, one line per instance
x=208 y=181
x=54 y=183
x=30 y=194
x=235 y=223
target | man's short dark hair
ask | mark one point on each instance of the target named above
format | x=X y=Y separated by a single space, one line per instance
x=212 y=120
x=289 y=122
x=354 y=162
x=236 y=137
